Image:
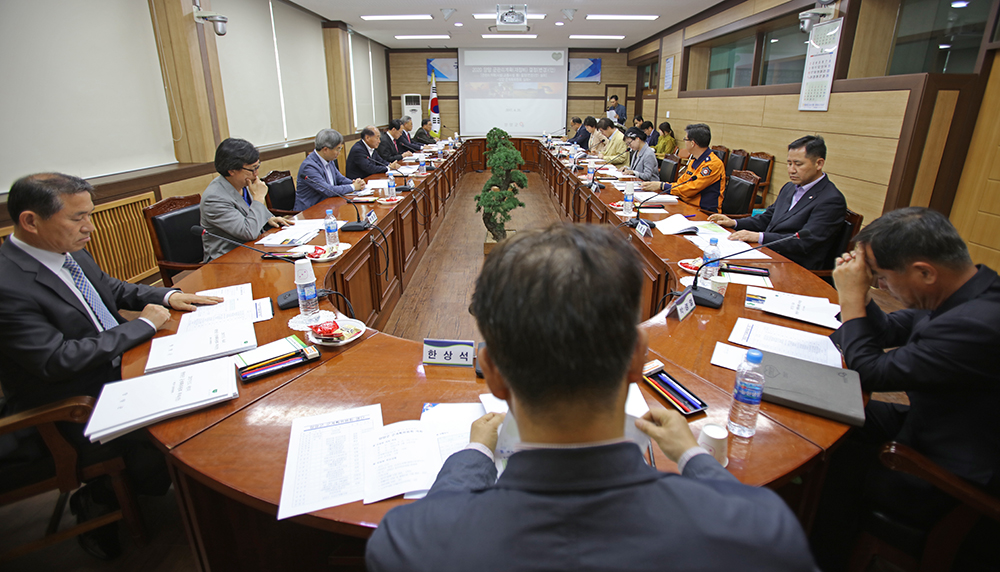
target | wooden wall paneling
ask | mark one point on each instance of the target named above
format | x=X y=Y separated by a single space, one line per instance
x=977 y=199
x=385 y=273
x=120 y=243
x=937 y=136
x=409 y=240
x=874 y=40
x=733 y=110
x=474 y=150
x=697 y=62
x=408 y=70
x=642 y=52
x=338 y=73
x=762 y=5
x=729 y=16
x=194 y=87
x=871 y=113
x=184 y=187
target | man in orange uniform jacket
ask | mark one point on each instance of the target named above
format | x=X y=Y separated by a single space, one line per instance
x=703 y=182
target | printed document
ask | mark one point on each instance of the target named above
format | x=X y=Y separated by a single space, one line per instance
x=785 y=341
x=326 y=460
x=400 y=458
x=237 y=306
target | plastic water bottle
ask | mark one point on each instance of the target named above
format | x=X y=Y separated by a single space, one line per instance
x=629 y=201
x=330 y=225
x=392 y=187
x=423 y=165
x=590 y=172
x=710 y=270
x=305 y=287
x=747 y=393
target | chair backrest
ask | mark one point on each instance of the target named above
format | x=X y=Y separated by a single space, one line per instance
x=737 y=161
x=280 y=190
x=842 y=242
x=761 y=164
x=668 y=168
x=169 y=222
x=739 y=193
x=722 y=152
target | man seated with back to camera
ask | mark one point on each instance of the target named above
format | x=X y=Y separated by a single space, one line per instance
x=703 y=181
x=944 y=358
x=319 y=177
x=233 y=205
x=809 y=202
x=61 y=336
x=577 y=495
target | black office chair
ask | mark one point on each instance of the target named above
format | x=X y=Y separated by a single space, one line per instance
x=722 y=152
x=668 y=168
x=762 y=164
x=737 y=161
x=169 y=223
x=840 y=244
x=280 y=193
x=739 y=193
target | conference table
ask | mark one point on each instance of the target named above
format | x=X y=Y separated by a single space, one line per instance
x=227 y=461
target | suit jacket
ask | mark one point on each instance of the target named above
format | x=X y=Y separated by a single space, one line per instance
x=50 y=348
x=224 y=212
x=582 y=138
x=422 y=136
x=312 y=185
x=360 y=164
x=645 y=165
x=702 y=183
x=945 y=361
x=821 y=210
x=653 y=138
x=597 y=508
x=620 y=110
x=407 y=144
x=389 y=149
x=615 y=151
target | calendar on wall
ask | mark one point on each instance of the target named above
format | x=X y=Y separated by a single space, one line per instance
x=821 y=55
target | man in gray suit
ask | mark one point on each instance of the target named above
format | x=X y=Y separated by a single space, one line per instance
x=642 y=164
x=577 y=495
x=233 y=204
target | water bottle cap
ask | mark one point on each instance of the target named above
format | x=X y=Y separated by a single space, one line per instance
x=329 y=212
x=754 y=356
x=714 y=241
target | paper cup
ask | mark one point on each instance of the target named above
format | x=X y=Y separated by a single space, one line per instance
x=304 y=271
x=720 y=284
x=714 y=439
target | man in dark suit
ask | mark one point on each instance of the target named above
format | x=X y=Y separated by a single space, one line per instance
x=575 y=494
x=810 y=201
x=581 y=137
x=389 y=148
x=318 y=177
x=943 y=357
x=60 y=331
x=404 y=140
x=363 y=161
x=423 y=134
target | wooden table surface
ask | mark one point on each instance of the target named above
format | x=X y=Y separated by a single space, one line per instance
x=238 y=448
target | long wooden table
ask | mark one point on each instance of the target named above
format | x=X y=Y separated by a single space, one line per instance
x=227 y=461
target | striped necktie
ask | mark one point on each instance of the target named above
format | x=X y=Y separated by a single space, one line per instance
x=89 y=294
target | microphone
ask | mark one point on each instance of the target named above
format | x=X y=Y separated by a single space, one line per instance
x=711 y=298
x=595 y=186
x=357 y=226
x=634 y=223
x=199 y=230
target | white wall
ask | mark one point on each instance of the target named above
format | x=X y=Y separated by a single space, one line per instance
x=82 y=90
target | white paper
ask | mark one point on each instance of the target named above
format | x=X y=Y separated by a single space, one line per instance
x=263 y=310
x=132 y=403
x=399 y=458
x=674 y=224
x=237 y=306
x=377 y=184
x=635 y=403
x=785 y=341
x=749 y=280
x=728 y=247
x=727 y=356
x=452 y=423
x=812 y=309
x=292 y=235
x=650 y=198
x=202 y=344
x=325 y=463
x=269 y=351
x=493 y=404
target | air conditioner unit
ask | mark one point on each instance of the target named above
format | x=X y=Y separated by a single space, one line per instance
x=512 y=17
x=411 y=105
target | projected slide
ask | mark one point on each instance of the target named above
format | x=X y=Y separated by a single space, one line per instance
x=522 y=92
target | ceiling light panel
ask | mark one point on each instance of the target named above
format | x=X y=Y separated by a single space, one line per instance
x=647 y=18
x=592 y=37
x=425 y=37
x=398 y=17
x=510 y=36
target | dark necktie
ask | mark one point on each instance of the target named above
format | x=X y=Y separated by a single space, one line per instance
x=246 y=196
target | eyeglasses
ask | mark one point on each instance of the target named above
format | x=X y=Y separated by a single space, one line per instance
x=254 y=169
x=686 y=139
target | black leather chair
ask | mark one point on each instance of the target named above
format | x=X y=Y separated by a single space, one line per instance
x=668 y=168
x=281 y=193
x=169 y=223
x=739 y=193
x=722 y=152
x=840 y=243
x=737 y=161
x=762 y=164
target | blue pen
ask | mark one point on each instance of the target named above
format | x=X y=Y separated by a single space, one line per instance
x=689 y=216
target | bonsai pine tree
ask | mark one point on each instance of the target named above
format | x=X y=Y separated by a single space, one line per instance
x=499 y=194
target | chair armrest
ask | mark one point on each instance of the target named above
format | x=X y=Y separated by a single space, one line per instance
x=72 y=409
x=899 y=457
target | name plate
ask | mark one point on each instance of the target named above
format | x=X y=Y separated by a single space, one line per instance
x=449 y=352
x=371 y=217
x=683 y=305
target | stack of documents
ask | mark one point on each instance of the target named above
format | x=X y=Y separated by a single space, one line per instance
x=812 y=309
x=124 y=406
x=785 y=341
x=648 y=197
x=676 y=224
x=299 y=233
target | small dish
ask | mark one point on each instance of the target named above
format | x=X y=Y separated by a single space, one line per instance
x=357 y=326
x=690 y=264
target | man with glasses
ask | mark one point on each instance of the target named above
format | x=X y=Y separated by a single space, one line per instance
x=319 y=177
x=703 y=182
x=233 y=204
